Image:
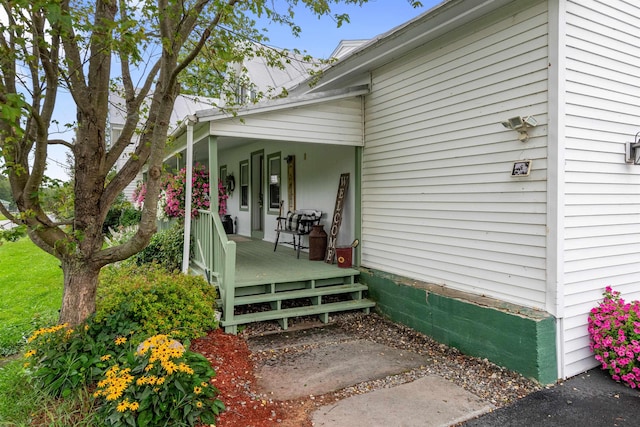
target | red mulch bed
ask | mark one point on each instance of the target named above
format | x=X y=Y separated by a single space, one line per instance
x=235 y=379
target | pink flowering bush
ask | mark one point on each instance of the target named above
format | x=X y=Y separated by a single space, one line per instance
x=139 y=194
x=222 y=198
x=176 y=188
x=614 y=328
x=171 y=199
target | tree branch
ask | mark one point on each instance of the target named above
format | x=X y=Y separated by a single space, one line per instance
x=201 y=42
x=61 y=142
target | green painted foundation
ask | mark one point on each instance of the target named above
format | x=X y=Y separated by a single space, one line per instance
x=518 y=338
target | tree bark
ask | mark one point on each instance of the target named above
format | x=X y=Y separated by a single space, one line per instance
x=80 y=285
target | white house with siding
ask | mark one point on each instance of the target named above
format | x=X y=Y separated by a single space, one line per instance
x=452 y=244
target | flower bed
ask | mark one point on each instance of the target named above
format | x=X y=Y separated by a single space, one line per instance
x=614 y=328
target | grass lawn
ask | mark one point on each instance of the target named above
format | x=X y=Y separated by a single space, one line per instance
x=31 y=288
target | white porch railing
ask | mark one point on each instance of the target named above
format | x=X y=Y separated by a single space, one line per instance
x=215 y=255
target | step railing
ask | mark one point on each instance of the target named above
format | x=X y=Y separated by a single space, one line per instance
x=215 y=255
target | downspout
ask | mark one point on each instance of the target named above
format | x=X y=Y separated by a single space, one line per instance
x=191 y=120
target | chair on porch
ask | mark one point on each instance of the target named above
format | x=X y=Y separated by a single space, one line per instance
x=298 y=224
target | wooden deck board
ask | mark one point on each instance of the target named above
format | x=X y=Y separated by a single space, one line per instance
x=257 y=263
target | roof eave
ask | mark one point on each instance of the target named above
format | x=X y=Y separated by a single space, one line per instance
x=402 y=39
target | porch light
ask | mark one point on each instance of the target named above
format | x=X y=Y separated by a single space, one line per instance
x=521 y=124
x=632 y=154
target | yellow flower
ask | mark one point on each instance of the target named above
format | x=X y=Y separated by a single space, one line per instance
x=197 y=390
x=26 y=365
x=183 y=367
x=148 y=367
x=199 y=404
x=105 y=357
x=170 y=367
x=122 y=406
x=44 y=331
x=134 y=406
x=120 y=340
x=115 y=383
x=204 y=384
x=30 y=353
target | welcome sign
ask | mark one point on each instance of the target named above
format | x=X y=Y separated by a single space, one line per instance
x=337 y=218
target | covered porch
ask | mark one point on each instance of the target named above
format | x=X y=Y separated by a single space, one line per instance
x=287 y=153
x=256 y=283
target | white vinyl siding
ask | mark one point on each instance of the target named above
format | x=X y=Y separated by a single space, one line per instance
x=337 y=122
x=602 y=201
x=438 y=201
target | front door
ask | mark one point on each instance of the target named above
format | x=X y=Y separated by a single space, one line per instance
x=257 y=195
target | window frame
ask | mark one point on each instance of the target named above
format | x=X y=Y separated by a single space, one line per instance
x=274 y=205
x=243 y=185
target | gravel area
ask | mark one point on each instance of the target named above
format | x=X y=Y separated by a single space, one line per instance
x=492 y=383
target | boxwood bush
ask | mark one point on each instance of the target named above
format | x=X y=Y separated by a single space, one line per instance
x=161 y=302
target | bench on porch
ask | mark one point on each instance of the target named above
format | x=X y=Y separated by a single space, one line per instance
x=297 y=224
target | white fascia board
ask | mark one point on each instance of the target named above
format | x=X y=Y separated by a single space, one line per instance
x=286 y=103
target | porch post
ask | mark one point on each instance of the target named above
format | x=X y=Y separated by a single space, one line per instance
x=357 y=187
x=213 y=174
x=191 y=120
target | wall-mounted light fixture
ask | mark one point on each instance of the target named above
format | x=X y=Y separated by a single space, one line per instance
x=289 y=158
x=521 y=124
x=632 y=151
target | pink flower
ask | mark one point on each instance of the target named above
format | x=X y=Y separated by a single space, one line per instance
x=614 y=329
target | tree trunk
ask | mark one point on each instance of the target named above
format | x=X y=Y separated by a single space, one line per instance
x=79 y=296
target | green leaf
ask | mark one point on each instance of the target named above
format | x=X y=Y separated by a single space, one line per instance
x=179 y=386
x=144 y=418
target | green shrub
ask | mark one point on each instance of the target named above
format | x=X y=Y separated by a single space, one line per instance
x=159 y=301
x=151 y=382
x=62 y=360
x=121 y=214
x=57 y=360
x=160 y=384
x=165 y=248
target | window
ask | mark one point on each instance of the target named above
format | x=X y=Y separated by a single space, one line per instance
x=274 y=180
x=244 y=184
x=241 y=94
x=223 y=174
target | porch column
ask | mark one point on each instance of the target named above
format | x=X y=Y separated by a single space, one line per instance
x=213 y=174
x=191 y=120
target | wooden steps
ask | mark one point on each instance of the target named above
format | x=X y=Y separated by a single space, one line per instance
x=302 y=293
x=311 y=300
x=279 y=286
x=282 y=315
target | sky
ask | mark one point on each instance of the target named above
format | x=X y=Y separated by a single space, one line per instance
x=319 y=38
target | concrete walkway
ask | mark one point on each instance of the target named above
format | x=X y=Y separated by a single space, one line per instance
x=323 y=360
x=326 y=359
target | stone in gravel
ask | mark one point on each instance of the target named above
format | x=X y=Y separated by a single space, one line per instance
x=431 y=401
x=297 y=338
x=331 y=367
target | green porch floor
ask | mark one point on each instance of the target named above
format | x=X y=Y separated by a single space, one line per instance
x=257 y=263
